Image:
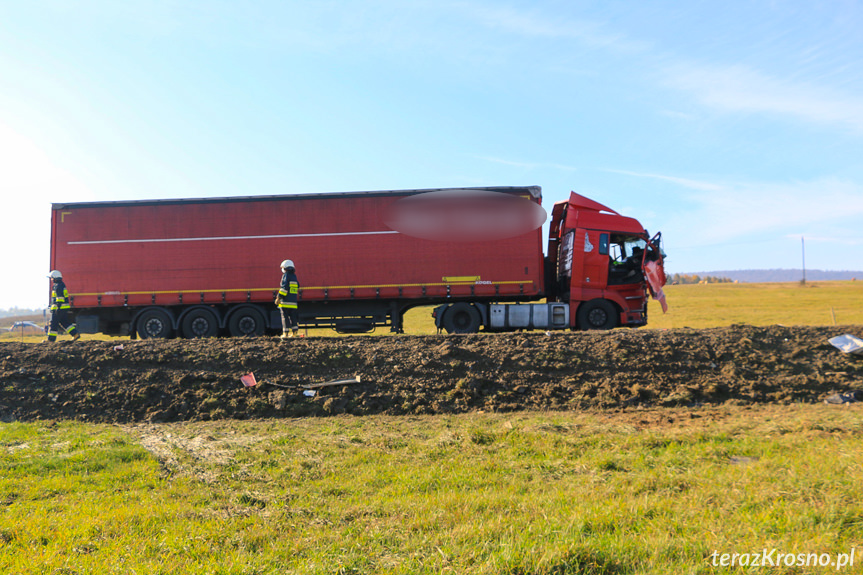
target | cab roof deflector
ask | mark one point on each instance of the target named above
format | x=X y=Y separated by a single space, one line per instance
x=580 y=202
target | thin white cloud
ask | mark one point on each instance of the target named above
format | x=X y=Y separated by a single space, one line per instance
x=744 y=209
x=527 y=165
x=534 y=25
x=726 y=210
x=685 y=182
x=742 y=89
x=821 y=239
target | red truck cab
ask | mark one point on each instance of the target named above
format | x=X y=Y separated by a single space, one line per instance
x=602 y=264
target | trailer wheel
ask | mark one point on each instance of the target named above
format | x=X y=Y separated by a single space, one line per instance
x=200 y=322
x=154 y=323
x=247 y=321
x=462 y=318
x=597 y=314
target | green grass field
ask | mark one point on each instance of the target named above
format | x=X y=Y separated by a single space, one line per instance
x=565 y=493
x=715 y=305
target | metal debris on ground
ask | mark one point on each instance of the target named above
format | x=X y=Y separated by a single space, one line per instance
x=847 y=343
x=355 y=379
x=849 y=397
x=249 y=380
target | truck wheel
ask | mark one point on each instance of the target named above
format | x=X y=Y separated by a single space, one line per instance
x=154 y=323
x=462 y=318
x=200 y=322
x=246 y=321
x=597 y=314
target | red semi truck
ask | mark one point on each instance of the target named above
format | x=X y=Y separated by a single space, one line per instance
x=206 y=267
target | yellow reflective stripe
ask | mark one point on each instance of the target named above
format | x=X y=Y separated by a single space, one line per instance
x=282 y=292
x=291 y=305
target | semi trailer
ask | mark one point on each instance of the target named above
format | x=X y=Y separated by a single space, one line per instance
x=209 y=267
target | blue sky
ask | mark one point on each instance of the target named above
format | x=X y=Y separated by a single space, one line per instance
x=735 y=127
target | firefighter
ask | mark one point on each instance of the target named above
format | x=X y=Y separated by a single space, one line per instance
x=60 y=306
x=287 y=300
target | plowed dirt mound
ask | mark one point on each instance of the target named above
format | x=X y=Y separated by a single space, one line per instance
x=173 y=380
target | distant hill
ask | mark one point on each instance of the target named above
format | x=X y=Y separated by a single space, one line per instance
x=762 y=276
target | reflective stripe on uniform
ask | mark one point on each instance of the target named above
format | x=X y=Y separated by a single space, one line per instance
x=61 y=301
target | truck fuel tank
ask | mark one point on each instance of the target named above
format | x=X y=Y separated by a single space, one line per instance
x=528 y=316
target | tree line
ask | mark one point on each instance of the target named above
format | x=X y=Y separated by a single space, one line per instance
x=697 y=279
x=18 y=311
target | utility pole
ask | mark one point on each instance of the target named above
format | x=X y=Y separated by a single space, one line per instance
x=803 y=251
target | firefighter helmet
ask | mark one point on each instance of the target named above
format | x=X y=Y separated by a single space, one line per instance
x=55 y=275
x=287 y=264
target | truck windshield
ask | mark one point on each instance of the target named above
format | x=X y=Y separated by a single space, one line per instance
x=624 y=247
x=625 y=258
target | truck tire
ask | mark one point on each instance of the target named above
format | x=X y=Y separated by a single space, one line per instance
x=462 y=318
x=597 y=314
x=154 y=323
x=199 y=322
x=247 y=321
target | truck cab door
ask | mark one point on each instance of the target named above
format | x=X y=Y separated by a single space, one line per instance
x=653 y=265
x=595 y=270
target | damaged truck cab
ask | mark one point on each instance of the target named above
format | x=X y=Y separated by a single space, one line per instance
x=600 y=269
x=602 y=264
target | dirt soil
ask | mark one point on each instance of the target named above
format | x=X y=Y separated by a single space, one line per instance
x=199 y=380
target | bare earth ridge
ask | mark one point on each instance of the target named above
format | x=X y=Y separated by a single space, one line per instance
x=199 y=380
